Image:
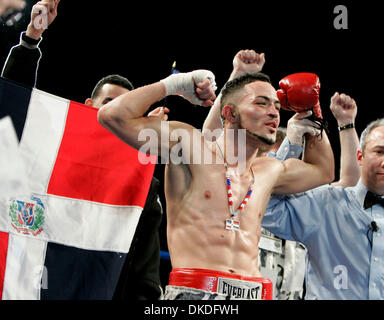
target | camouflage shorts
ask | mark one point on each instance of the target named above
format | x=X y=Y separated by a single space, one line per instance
x=184 y=293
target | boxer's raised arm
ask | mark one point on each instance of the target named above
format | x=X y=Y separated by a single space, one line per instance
x=316 y=169
x=123 y=116
x=300 y=92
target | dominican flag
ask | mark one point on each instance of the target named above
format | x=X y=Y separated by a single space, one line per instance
x=66 y=236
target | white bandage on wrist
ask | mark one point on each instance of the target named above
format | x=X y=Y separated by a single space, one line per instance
x=298 y=128
x=183 y=84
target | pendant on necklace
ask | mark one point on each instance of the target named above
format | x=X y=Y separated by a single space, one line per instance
x=231 y=225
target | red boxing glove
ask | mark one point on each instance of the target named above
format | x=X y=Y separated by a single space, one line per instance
x=300 y=92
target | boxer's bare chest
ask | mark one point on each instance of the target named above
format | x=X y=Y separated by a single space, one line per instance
x=218 y=196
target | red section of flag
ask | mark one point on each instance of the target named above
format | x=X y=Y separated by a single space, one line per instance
x=92 y=164
x=3 y=259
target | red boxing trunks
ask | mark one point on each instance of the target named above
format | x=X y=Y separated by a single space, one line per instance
x=231 y=285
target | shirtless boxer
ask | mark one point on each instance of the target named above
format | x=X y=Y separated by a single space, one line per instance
x=213 y=253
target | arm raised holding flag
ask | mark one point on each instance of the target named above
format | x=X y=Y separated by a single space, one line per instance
x=23 y=59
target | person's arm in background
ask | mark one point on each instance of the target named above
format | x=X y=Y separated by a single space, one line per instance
x=23 y=59
x=344 y=109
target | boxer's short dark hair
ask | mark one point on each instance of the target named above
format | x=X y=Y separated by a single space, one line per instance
x=112 y=79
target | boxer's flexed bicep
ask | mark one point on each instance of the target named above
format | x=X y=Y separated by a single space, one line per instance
x=170 y=140
x=124 y=115
x=316 y=169
x=297 y=176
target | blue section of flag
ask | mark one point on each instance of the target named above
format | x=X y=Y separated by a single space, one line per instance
x=66 y=279
x=14 y=101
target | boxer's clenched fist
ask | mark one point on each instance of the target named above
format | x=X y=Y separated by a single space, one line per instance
x=198 y=87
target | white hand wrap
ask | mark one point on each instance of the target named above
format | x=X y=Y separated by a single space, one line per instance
x=183 y=84
x=297 y=128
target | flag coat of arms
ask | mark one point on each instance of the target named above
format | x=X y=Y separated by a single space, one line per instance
x=67 y=237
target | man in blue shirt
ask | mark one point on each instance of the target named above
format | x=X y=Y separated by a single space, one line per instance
x=341 y=228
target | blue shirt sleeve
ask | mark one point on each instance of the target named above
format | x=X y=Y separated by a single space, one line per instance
x=297 y=216
x=287 y=151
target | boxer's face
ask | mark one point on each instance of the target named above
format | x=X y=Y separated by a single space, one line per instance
x=259 y=111
x=371 y=161
x=107 y=93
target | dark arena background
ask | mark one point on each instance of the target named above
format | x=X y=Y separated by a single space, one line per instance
x=140 y=40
